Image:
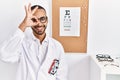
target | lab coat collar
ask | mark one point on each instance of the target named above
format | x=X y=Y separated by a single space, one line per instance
x=36 y=39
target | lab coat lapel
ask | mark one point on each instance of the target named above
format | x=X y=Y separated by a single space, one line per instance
x=47 y=62
x=50 y=54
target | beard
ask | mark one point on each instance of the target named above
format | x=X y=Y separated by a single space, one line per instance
x=39 y=30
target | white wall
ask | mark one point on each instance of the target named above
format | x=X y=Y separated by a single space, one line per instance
x=78 y=66
x=104 y=27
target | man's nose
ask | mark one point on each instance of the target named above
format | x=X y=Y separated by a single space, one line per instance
x=39 y=23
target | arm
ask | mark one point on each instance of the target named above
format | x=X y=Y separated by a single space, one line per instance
x=10 y=49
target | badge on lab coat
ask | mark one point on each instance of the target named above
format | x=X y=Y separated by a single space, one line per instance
x=54 y=66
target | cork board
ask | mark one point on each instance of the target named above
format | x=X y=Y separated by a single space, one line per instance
x=71 y=43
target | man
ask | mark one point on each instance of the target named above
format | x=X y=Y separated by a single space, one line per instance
x=39 y=56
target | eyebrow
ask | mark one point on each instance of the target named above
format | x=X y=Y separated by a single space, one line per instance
x=42 y=17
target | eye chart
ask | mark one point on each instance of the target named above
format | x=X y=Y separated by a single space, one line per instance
x=70 y=21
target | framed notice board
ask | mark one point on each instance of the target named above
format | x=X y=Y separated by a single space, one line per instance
x=75 y=41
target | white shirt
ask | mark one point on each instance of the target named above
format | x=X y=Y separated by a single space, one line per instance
x=42 y=48
x=36 y=61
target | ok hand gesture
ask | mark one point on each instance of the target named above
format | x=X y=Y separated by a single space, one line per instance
x=28 y=22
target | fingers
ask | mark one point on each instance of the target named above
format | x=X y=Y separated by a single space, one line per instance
x=26 y=9
x=33 y=11
x=29 y=7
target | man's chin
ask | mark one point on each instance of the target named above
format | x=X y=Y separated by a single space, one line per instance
x=40 y=33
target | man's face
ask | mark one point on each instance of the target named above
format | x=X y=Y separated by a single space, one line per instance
x=42 y=22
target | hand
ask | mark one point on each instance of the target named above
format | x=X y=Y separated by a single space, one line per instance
x=28 y=20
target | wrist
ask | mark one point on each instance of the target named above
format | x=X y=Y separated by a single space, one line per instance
x=22 y=26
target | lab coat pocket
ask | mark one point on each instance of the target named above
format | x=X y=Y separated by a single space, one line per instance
x=51 y=77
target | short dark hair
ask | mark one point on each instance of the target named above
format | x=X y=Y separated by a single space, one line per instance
x=39 y=7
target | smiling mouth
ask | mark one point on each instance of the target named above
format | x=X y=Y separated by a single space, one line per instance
x=39 y=27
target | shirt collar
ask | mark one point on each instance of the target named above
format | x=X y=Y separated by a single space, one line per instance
x=36 y=39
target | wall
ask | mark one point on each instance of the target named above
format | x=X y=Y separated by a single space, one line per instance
x=104 y=27
x=78 y=66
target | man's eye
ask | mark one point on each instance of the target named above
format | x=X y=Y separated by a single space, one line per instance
x=42 y=18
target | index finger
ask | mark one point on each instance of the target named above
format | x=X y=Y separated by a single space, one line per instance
x=34 y=10
x=26 y=9
x=29 y=7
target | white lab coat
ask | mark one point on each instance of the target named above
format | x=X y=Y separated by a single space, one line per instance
x=23 y=49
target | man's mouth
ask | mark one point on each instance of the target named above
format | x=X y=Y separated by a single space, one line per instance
x=39 y=27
